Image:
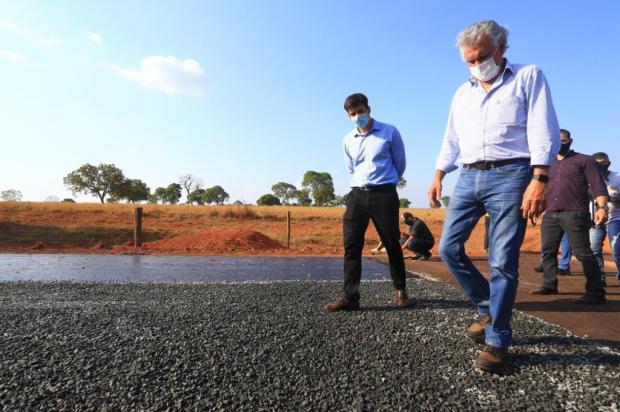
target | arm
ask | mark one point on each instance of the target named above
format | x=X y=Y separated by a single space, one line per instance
x=348 y=161
x=543 y=138
x=445 y=160
x=397 y=149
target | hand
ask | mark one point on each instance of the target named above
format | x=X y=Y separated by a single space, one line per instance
x=434 y=193
x=600 y=217
x=534 y=200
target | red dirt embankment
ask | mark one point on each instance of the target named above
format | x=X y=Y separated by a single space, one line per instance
x=224 y=241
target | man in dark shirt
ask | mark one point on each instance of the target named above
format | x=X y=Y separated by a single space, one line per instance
x=419 y=240
x=568 y=212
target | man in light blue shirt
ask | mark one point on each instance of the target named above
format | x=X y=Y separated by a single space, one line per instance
x=503 y=127
x=374 y=155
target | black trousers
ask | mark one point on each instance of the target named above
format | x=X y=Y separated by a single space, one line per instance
x=420 y=246
x=382 y=207
x=577 y=227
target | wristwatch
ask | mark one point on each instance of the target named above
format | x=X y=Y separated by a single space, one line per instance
x=541 y=178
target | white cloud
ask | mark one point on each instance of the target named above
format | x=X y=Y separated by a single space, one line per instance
x=168 y=74
x=44 y=40
x=95 y=37
x=16 y=57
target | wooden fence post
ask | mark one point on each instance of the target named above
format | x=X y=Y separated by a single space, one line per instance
x=137 y=228
x=288 y=229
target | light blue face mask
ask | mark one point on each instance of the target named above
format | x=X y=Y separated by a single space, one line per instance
x=361 y=120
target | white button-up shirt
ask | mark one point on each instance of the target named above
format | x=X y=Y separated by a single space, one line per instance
x=515 y=118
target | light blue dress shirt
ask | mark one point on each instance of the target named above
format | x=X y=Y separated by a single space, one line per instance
x=514 y=118
x=374 y=158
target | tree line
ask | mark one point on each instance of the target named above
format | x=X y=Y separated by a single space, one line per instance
x=109 y=184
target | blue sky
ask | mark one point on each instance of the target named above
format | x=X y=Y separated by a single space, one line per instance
x=245 y=94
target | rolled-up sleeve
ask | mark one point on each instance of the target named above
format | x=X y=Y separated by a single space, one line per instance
x=543 y=131
x=398 y=153
x=450 y=147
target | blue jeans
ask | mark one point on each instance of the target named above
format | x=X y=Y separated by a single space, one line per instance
x=565 y=254
x=597 y=238
x=498 y=191
x=613 y=232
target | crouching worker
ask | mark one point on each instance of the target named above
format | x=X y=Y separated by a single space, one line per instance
x=419 y=240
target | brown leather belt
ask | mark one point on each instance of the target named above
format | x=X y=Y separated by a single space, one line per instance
x=490 y=164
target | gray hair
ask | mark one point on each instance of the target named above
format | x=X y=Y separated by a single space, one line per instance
x=473 y=34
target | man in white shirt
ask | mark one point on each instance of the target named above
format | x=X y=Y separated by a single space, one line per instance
x=503 y=126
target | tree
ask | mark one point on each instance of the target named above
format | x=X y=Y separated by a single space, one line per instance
x=340 y=200
x=94 y=180
x=404 y=202
x=173 y=193
x=303 y=198
x=190 y=183
x=320 y=185
x=159 y=195
x=215 y=194
x=238 y=203
x=196 y=197
x=133 y=190
x=268 y=200
x=445 y=200
x=284 y=191
x=11 y=195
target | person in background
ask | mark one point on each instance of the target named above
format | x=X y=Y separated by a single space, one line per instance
x=571 y=179
x=419 y=240
x=612 y=227
x=503 y=127
x=374 y=155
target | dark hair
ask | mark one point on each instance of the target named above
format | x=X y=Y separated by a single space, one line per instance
x=600 y=155
x=355 y=100
x=566 y=132
x=407 y=216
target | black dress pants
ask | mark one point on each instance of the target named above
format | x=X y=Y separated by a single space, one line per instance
x=577 y=226
x=381 y=206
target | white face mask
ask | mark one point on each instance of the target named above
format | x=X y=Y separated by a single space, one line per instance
x=486 y=70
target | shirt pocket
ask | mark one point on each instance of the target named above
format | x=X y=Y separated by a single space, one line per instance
x=505 y=111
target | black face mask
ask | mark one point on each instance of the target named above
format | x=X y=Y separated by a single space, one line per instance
x=564 y=148
x=604 y=167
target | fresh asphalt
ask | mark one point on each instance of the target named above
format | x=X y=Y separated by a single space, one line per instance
x=270 y=346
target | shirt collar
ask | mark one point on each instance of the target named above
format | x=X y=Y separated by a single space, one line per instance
x=508 y=68
x=375 y=126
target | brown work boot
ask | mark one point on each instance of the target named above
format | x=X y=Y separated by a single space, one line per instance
x=475 y=331
x=492 y=359
x=342 y=304
x=401 y=298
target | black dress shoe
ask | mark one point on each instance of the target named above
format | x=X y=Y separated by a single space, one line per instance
x=545 y=291
x=426 y=256
x=591 y=299
x=416 y=256
x=563 y=272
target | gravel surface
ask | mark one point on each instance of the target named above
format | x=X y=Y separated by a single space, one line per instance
x=270 y=346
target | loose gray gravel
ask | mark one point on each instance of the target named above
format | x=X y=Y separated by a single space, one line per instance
x=270 y=346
